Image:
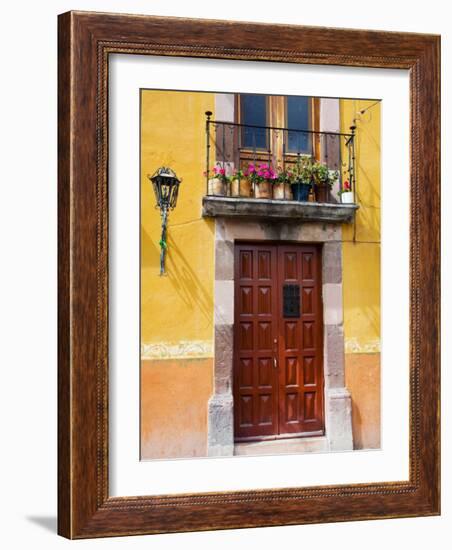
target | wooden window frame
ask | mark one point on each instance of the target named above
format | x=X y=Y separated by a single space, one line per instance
x=238 y=117
x=276 y=115
x=314 y=118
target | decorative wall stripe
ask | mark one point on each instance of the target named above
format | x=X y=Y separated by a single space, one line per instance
x=352 y=345
x=184 y=349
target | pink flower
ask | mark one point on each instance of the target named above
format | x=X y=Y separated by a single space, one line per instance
x=222 y=171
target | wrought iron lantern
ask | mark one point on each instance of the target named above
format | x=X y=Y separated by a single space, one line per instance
x=166 y=189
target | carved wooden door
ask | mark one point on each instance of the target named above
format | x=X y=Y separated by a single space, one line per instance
x=278 y=370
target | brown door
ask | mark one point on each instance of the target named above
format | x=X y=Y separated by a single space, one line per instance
x=278 y=370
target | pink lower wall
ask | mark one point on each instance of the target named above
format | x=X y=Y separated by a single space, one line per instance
x=362 y=378
x=174 y=397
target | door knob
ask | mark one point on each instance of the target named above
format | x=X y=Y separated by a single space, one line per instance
x=275 y=363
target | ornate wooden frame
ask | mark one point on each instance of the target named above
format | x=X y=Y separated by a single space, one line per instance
x=85 y=42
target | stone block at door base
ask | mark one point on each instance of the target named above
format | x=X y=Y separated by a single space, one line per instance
x=339 y=415
x=220 y=441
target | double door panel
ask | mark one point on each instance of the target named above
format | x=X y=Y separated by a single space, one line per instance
x=278 y=370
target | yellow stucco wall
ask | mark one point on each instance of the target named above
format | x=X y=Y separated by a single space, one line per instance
x=361 y=276
x=361 y=246
x=176 y=309
x=178 y=306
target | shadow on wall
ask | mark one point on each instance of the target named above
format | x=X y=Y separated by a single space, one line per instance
x=357 y=426
x=369 y=212
x=365 y=317
x=186 y=282
x=372 y=314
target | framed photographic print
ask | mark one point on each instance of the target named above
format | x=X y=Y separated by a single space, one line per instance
x=248 y=275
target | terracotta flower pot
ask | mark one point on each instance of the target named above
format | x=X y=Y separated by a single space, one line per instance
x=282 y=191
x=241 y=188
x=217 y=187
x=322 y=192
x=263 y=190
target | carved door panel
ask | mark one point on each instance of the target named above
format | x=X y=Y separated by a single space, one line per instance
x=278 y=371
x=255 y=341
x=300 y=341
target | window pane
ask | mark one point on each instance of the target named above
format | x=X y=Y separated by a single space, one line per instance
x=298 y=118
x=253 y=111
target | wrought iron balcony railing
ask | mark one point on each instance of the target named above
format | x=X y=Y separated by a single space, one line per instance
x=231 y=146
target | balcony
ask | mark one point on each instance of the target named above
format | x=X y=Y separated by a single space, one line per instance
x=251 y=208
x=265 y=172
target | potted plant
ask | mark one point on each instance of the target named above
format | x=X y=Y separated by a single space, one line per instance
x=323 y=180
x=346 y=193
x=217 y=180
x=240 y=184
x=281 y=185
x=262 y=177
x=302 y=180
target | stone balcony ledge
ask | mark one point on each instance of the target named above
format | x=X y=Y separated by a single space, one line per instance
x=215 y=206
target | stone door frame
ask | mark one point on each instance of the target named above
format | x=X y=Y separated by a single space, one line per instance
x=338 y=426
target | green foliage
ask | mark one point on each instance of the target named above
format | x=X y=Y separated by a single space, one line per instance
x=322 y=175
x=308 y=171
x=236 y=175
x=285 y=176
